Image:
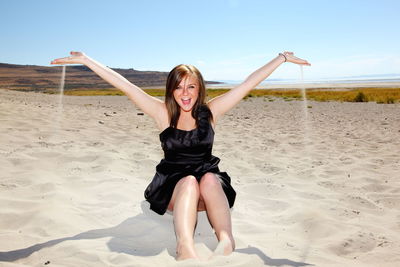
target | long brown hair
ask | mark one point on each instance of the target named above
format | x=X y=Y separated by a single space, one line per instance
x=175 y=77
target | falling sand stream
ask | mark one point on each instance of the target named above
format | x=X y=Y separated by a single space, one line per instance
x=61 y=88
x=306 y=123
x=60 y=102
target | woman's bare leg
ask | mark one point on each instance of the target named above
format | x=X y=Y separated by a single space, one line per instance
x=218 y=212
x=184 y=203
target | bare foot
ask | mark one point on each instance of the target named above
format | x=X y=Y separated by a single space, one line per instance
x=224 y=248
x=185 y=252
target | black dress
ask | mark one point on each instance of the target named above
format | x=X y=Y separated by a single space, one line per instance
x=185 y=153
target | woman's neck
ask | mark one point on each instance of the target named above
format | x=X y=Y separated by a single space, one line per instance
x=186 y=121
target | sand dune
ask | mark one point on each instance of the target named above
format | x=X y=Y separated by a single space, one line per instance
x=323 y=191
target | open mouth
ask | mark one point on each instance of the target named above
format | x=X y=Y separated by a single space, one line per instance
x=186 y=101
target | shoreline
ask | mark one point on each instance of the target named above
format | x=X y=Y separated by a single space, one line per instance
x=323 y=85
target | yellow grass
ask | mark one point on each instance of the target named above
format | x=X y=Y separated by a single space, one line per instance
x=379 y=95
x=93 y=92
x=152 y=92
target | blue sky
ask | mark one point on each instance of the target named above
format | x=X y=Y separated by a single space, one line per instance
x=226 y=40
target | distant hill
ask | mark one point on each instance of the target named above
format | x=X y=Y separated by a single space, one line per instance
x=43 y=79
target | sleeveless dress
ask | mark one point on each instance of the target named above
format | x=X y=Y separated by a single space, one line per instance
x=185 y=153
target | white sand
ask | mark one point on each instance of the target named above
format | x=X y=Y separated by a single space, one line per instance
x=71 y=188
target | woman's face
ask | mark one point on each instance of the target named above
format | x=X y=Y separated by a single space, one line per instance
x=187 y=92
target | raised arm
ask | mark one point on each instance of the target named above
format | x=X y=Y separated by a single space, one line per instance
x=152 y=106
x=223 y=103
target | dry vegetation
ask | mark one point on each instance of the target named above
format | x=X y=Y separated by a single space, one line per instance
x=379 y=95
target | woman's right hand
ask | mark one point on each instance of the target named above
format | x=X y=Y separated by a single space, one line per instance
x=75 y=58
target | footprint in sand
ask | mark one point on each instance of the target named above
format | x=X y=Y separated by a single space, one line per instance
x=358 y=243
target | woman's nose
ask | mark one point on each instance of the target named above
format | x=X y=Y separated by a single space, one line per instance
x=185 y=91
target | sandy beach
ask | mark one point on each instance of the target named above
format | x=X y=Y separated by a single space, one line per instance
x=320 y=188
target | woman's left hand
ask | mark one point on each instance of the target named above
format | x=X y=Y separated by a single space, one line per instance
x=290 y=57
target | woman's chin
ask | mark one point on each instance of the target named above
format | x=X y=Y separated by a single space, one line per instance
x=186 y=109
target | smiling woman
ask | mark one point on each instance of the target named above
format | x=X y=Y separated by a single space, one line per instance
x=186 y=91
x=188 y=179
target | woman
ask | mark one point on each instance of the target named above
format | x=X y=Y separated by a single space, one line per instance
x=188 y=179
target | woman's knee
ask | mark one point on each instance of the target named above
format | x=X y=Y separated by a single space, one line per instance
x=188 y=183
x=209 y=181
